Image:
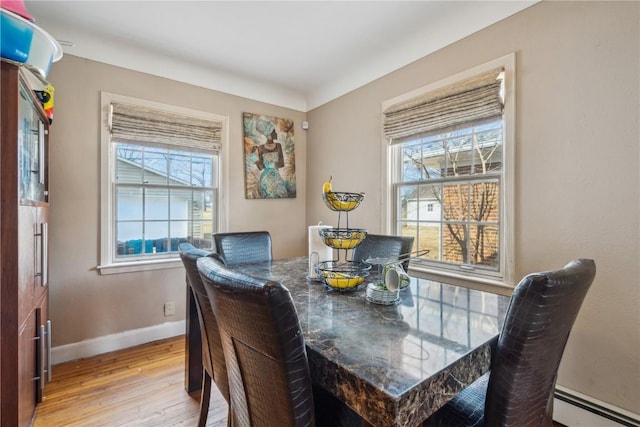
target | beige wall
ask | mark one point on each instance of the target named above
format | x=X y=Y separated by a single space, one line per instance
x=86 y=305
x=577 y=164
x=577 y=180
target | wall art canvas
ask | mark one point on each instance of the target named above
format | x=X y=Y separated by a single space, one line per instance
x=270 y=161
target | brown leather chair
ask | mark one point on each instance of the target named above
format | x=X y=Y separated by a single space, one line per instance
x=519 y=389
x=239 y=247
x=384 y=246
x=213 y=363
x=269 y=379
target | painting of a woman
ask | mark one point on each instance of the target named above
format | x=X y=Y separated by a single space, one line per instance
x=269 y=157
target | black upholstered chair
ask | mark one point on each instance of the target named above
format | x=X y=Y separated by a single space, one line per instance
x=519 y=389
x=239 y=247
x=213 y=363
x=383 y=246
x=269 y=379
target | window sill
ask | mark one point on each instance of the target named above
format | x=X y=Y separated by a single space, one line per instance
x=466 y=281
x=136 y=266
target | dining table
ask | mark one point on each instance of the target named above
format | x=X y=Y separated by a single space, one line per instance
x=393 y=365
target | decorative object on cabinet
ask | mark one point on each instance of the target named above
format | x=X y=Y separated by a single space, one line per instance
x=24 y=42
x=25 y=336
x=270 y=169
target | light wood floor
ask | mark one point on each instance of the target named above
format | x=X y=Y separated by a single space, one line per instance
x=138 y=387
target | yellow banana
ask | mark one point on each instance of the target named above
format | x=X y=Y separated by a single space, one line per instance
x=334 y=201
x=326 y=188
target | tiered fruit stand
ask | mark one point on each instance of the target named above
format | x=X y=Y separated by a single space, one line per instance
x=342 y=274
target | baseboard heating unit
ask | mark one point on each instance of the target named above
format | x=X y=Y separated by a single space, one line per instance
x=574 y=409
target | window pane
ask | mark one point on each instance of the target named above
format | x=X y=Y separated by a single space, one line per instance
x=129 y=203
x=485 y=199
x=201 y=230
x=412 y=162
x=459 y=154
x=428 y=238
x=202 y=174
x=129 y=237
x=488 y=149
x=455 y=202
x=156 y=230
x=432 y=159
x=156 y=204
x=155 y=166
x=428 y=206
x=180 y=204
x=408 y=203
x=484 y=245
x=180 y=229
x=179 y=168
x=127 y=168
x=454 y=243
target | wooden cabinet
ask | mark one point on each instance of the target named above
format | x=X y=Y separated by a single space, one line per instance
x=25 y=330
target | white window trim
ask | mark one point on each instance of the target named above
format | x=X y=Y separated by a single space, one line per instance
x=108 y=265
x=389 y=165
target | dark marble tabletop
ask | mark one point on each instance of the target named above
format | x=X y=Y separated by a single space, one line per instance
x=393 y=365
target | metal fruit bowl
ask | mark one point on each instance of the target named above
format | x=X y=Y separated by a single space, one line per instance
x=343 y=276
x=342 y=202
x=342 y=238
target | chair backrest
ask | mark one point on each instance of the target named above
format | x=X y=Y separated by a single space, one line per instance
x=384 y=246
x=540 y=316
x=212 y=353
x=250 y=246
x=269 y=377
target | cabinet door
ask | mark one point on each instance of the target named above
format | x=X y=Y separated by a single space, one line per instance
x=33 y=257
x=27 y=370
x=32 y=148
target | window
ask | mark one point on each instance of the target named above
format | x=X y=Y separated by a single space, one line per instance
x=161 y=180
x=450 y=177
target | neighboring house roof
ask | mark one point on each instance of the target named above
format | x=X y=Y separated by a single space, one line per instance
x=154 y=176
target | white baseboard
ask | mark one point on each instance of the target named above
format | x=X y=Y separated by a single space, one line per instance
x=119 y=341
x=575 y=409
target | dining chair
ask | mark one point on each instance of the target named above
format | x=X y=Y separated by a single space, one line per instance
x=269 y=378
x=519 y=389
x=384 y=246
x=213 y=363
x=240 y=247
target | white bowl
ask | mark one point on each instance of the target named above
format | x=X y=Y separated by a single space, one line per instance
x=44 y=51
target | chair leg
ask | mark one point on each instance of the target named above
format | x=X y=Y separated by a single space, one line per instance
x=229 y=416
x=205 y=397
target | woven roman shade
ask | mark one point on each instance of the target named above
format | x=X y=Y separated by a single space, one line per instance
x=135 y=124
x=469 y=100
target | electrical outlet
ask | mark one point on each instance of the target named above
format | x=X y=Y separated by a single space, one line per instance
x=169 y=308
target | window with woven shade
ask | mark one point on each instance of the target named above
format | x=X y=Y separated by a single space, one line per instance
x=450 y=174
x=160 y=183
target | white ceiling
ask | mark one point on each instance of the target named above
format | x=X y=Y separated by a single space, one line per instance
x=297 y=54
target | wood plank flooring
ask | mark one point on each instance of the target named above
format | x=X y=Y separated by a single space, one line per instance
x=141 y=386
x=137 y=387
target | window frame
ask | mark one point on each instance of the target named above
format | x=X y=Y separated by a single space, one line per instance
x=391 y=165
x=108 y=263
